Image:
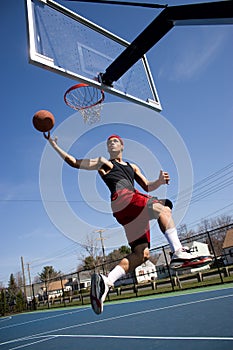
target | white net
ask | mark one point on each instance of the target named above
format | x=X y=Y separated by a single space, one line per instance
x=92 y=115
x=87 y=100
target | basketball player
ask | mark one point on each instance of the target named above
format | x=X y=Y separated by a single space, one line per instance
x=133 y=210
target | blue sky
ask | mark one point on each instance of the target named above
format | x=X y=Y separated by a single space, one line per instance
x=193 y=71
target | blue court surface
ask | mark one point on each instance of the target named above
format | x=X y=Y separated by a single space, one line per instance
x=201 y=319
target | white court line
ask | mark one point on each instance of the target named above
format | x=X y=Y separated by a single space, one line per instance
x=139 y=337
x=33 y=343
x=85 y=309
x=128 y=337
x=7 y=318
x=43 y=318
x=114 y=318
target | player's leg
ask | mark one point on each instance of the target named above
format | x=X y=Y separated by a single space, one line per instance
x=140 y=253
x=181 y=257
x=101 y=284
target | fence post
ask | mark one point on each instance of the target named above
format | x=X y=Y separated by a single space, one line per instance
x=63 y=293
x=47 y=293
x=33 y=298
x=199 y=277
x=153 y=285
x=215 y=257
x=226 y=271
x=170 y=276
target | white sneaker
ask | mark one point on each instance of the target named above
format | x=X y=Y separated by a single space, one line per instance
x=183 y=254
x=99 y=291
x=183 y=259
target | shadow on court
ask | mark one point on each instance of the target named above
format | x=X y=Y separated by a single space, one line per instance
x=197 y=320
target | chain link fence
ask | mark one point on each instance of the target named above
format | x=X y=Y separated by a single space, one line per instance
x=151 y=278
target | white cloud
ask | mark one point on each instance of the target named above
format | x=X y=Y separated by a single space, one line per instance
x=191 y=54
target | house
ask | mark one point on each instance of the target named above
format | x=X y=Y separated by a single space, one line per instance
x=196 y=248
x=84 y=280
x=161 y=265
x=55 y=288
x=142 y=274
x=77 y=284
x=228 y=247
x=146 y=272
x=84 y=284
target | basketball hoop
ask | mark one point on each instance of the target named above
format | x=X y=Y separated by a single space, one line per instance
x=87 y=100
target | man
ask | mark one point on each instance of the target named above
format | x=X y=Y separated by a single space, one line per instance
x=133 y=210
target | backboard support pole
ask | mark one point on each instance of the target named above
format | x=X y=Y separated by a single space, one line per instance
x=214 y=13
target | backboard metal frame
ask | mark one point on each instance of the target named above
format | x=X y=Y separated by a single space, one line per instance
x=41 y=60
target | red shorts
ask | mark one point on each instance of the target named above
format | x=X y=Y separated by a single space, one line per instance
x=131 y=210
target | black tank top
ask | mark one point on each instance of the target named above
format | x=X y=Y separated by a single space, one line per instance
x=120 y=177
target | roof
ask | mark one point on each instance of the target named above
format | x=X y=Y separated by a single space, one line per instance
x=146 y=264
x=56 y=285
x=228 y=241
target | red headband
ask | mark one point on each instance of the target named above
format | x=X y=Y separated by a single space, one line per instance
x=117 y=137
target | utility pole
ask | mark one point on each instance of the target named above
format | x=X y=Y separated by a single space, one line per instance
x=24 y=281
x=29 y=278
x=102 y=243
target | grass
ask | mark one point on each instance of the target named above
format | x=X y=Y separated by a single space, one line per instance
x=183 y=283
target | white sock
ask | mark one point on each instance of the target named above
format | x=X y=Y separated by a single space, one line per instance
x=173 y=239
x=115 y=274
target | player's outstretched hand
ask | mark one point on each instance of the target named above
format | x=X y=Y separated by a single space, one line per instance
x=46 y=135
x=52 y=141
x=164 y=177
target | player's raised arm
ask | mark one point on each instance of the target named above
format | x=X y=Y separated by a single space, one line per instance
x=87 y=164
x=147 y=185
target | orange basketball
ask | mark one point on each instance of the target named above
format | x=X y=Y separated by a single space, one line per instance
x=43 y=120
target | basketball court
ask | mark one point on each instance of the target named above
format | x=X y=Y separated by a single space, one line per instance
x=68 y=44
x=192 y=320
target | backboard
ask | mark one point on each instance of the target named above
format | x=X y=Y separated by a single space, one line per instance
x=67 y=43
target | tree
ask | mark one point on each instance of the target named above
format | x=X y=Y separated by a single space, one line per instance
x=15 y=298
x=93 y=258
x=48 y=273
x=124 y=250
x=19 y=302
x=12 y=291
x=19 y=279
x=118 y=254
x=4 y=307
x=184 y=233
x=218 y=224
x=91 y=262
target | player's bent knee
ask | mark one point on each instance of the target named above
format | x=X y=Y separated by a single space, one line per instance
x=161 y=211
x=157 y=206
x=166 y=213
x=168 y=203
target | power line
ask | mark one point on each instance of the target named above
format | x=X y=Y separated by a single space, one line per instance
x=203 y=186
x=213 y=183
x=64 y=252
x=194 y=223
x=199 y=184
